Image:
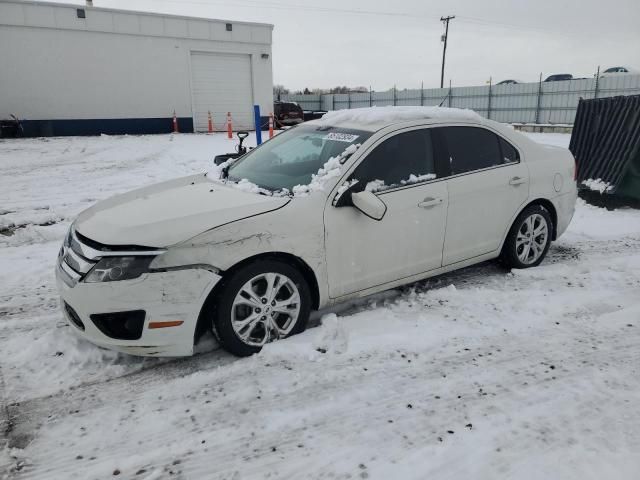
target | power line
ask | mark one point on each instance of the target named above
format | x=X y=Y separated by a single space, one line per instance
x=284 y=6
x=514 y=26
x=387 y=13
x=382 y=13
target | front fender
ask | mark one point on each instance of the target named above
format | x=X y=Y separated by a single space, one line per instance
x=296 y=229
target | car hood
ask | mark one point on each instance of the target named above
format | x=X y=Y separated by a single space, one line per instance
x=171 y=212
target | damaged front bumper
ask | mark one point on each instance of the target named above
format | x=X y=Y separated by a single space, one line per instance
x=109 y=314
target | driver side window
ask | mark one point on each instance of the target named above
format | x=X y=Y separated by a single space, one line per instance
x=403 y=159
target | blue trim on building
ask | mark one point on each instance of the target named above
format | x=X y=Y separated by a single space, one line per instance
x=108 y=126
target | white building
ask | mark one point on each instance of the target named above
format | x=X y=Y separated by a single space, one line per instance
x=73 y=70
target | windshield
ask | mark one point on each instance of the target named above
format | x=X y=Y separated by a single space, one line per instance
x=292 y=157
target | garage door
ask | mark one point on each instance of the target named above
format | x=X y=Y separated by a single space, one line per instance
x=221 y=83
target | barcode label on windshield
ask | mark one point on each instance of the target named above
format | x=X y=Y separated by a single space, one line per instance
x=340 y=137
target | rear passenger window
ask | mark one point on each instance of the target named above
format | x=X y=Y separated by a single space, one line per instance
x=403 y=159
x=471 y=148
x=509 y=153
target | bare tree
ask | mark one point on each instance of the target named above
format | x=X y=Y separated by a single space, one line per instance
x=280 y=90
x=338 y=89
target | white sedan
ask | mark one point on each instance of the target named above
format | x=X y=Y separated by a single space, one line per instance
x=354 y=203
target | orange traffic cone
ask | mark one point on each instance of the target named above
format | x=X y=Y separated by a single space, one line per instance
x=175 y=122
x=210 y=123
x=271 y=125
x=229 y=125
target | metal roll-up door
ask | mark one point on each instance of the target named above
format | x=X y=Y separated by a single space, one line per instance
x=221 y=83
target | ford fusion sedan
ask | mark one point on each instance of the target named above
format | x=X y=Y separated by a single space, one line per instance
x=357 y=202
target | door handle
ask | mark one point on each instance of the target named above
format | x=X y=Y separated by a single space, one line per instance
x=430 y=202
x=517 y=181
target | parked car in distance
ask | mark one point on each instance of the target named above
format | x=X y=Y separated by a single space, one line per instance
x=619 y=71
x=352 y=204
x=509 y=82
x=559 y=77
x=10 y=128
x=313 y=114
x=287 y=113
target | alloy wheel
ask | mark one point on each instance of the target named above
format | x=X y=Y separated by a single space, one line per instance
x=531 y=239
x=265 y=308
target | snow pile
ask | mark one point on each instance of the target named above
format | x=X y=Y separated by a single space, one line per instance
x=418 y=178
x=65 y=353
x=376 y=115
x=625 y=223
x=331 y=169
x=215 y=172
x=215 y=175
x=375 y=186
x=346 y=186
x=249 y=187
x=379 y=185
x=597 y=185
x=331 y=337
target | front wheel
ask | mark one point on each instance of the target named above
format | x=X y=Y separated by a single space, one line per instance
x=529 y=238
x=264 y=301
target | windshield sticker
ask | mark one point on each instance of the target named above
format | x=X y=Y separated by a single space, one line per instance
x=340 y=137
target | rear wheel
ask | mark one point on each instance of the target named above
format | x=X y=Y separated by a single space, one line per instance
x=529 y=238
x=262 y=302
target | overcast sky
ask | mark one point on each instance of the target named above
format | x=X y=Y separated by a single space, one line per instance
x=379 y=44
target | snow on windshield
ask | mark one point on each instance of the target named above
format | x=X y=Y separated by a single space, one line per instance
x=331 y=169
x=276 y=170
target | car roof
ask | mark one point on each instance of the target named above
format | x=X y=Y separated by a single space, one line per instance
x=375 y=118
x=629 y=69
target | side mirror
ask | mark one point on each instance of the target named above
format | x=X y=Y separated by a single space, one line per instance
x=369 y=204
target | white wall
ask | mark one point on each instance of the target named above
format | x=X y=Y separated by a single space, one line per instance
x=54 y=65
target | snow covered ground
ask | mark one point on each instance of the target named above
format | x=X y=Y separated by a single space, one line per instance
x=481 y=373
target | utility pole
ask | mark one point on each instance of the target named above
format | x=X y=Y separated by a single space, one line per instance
x=444 y=39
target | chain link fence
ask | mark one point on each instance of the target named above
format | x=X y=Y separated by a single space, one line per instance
x=537 y=103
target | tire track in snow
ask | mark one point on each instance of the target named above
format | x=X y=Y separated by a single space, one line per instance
x=5 y=424
x=28 y=415
x=326 y=422
x=271 y=401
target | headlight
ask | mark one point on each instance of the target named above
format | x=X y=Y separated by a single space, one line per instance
x=66 y=243
x=67 y=238
x=111 y=269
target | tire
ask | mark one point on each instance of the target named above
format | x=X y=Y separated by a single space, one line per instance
x=247 y=315
x=520 y=250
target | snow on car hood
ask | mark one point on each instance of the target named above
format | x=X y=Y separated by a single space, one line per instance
x=167 y=213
